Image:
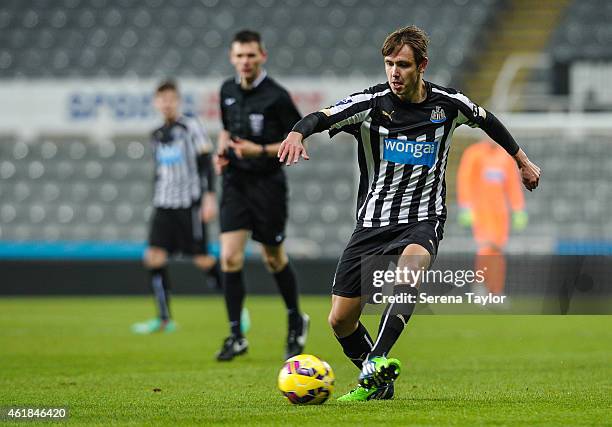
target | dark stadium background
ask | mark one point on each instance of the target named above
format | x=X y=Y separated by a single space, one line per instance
x=76 y=82
x=78 y=75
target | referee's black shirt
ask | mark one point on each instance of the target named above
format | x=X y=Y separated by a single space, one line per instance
x=264 y=114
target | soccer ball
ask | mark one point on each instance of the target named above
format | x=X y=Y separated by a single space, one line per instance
x=306 y=380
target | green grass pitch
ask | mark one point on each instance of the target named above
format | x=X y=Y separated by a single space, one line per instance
x=458 y=370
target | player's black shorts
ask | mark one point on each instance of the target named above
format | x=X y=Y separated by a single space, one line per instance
x=256 y=202
x=388 y=240
x=179 y=231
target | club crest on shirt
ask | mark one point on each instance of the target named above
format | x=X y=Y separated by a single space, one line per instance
x=257 y=123
x=438 y=115
x=229 y=101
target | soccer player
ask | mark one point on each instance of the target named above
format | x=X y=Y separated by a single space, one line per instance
x=403 y=129
x=257 y=114
x=488 y=186
x=184 y=200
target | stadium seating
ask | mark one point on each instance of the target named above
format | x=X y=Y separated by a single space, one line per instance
x=77 y=188
x=584 y=32
x=101 y=38
x=574 y=196
x=62 y=188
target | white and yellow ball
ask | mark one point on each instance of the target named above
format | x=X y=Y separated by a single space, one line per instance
x=306 y=380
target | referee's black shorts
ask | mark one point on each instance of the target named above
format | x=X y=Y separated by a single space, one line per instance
x=368 y=243
x=179 y=231
x=256 y=202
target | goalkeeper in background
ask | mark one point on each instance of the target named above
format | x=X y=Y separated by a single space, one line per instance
x=488 y=187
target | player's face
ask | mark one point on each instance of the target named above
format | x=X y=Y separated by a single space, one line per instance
x=247 y=59
x=168 y=103
x=403 y=74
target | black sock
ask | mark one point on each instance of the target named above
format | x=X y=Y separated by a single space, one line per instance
x=215 y=274
x=161 y=289
x=393 y=320
x=234 y=298
x=287 y=285
x=357 y=345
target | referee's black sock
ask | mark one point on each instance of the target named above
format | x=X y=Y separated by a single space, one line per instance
x=161 y=289
x=393 y=320
x=215 y=274
x=357 y=345
x=233 y=287
x=287 y=285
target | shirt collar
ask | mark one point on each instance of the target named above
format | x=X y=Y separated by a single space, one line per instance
x=257 y=81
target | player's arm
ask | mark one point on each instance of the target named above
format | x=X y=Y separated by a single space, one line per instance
x=220 y=159
x=286 y=113
x=244 y=148
x=475 y=116
x=153 y=142
x=207 y=177
x=223 y=141
x=530 y=172
x=350 y=111
x=204 y=151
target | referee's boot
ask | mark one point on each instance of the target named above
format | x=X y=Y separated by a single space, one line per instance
x=232 y=346
x=296 y=338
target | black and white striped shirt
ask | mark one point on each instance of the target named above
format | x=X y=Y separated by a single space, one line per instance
x=176 y=147
x=402 y=150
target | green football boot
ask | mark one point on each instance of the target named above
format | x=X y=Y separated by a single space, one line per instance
x=379 y=371
x=153 y=325
x=361 y=394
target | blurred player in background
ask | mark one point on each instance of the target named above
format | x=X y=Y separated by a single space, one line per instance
x=184 y=200
x=257 y=113
x=403 y=128
x=488 y=186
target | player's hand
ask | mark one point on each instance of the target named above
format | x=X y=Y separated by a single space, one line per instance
x=208 y=212
x=291 y=149
x=519 y=220
x=465 y=218
x=220 y=162
x=530 y=172
x=243 y=148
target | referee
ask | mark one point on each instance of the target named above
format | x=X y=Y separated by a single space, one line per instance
x=184 y=200
x=257 y=114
